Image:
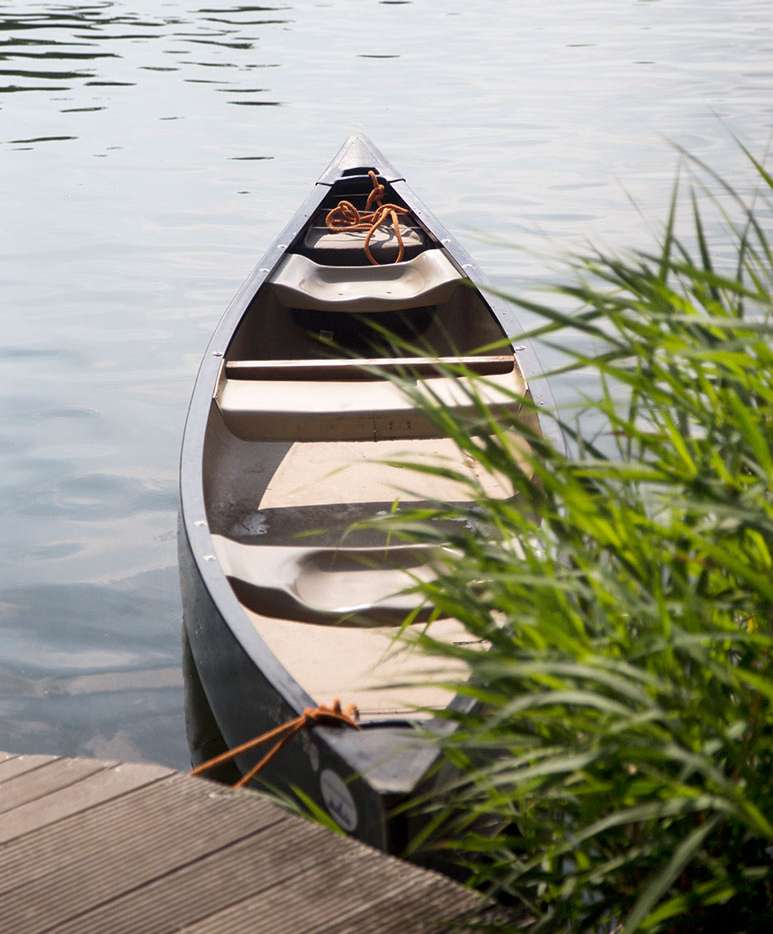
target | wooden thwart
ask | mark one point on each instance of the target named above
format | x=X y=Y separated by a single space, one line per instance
x=380 y=410
x=363 y=368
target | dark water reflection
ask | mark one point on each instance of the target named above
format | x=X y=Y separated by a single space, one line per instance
x=148 y=152
x=85 y=670
x=92 y=32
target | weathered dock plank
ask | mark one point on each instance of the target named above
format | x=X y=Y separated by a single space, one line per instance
x=95 y=789
x=89 y=846
x=18 y=765
x=46 y=779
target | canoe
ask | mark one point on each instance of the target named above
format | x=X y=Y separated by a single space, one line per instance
x=293 y=413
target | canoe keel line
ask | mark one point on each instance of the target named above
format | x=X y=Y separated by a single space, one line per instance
x=291 y=425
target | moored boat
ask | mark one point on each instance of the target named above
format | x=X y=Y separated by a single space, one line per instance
x=290 y=599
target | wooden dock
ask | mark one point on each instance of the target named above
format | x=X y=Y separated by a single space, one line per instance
x=94 y=846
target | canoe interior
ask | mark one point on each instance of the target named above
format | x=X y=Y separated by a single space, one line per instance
x=303 y=417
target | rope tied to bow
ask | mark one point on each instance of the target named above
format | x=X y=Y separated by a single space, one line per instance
x=335 y=715
x=345 y=216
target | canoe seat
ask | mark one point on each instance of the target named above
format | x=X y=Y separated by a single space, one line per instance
x=322 y=238
x=427 y=279
x=348 y=586
x=354 y=410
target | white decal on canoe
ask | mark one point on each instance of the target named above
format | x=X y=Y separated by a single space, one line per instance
x=338 y=799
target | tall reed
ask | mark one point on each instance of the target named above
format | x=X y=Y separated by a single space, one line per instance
x=616 y=769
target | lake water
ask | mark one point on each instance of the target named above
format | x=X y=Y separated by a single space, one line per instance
x=150 y=151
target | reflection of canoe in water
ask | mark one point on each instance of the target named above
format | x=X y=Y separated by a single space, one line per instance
x=282 y=440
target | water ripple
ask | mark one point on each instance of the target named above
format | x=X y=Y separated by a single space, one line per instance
x=86 y=34
x=42 y=139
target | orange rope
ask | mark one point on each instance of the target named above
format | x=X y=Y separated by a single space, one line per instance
x=345 y=216
x=332 y=716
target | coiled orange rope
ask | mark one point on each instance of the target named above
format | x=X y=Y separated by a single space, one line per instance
x=330 y=716
x=345 y=216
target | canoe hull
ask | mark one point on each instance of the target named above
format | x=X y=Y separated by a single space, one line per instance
x=241 y=689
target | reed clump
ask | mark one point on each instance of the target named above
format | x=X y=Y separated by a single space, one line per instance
x=614 y=769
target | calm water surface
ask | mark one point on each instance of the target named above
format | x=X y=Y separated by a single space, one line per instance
x=149 y=152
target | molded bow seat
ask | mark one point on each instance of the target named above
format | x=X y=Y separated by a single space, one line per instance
x=326 y=585
x=348 y=410
x=322 y=238
x=427 y=279
x=347 y=247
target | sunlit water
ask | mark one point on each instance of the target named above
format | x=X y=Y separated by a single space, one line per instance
x=148 y=153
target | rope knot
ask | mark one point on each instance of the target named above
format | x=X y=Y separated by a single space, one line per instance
x=345 y=216
x=335 y=715
x=377 y=193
